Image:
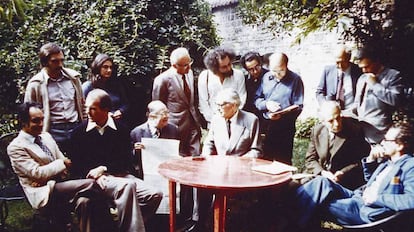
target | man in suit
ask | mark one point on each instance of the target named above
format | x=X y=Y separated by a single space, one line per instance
x=280 y=89
x=58 y=90
x=340 y=77
x=157 y=126
x=41 y=168
x=232 y=131
x=101 y=149
x=336 y=148
x=175 y=88
x=220 y=74
x=390 y=186
x=379 y=92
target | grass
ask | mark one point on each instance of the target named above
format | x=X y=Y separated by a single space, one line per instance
x=20 y=217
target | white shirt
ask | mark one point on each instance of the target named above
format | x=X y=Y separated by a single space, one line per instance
x=109 y=123
x=208 y=89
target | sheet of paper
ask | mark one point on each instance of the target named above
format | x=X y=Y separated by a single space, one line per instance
x=157 y=151
x=298 y=176
x=274 y=168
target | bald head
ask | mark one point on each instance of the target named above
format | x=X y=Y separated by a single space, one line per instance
x=278 y=64
x=342 y=57
x=330 y=115
x=158 y=114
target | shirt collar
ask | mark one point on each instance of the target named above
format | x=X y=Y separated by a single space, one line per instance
x=27 y=136
x=109 y=123
x=152 y=126
x=47 y=77
x=234 y=117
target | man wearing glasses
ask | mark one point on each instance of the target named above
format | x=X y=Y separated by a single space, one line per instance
x=175 y=88
x=59 y=91
x=252 y=62
x=389 y=170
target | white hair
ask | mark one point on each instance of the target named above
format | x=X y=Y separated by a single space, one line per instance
x=177 y=54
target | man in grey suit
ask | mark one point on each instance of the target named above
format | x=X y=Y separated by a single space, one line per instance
x=157 y=126
x=379 y=92
x=232 y=131
x=340 y=77
x=336 y=148
x=175 y=88
x=41 y=168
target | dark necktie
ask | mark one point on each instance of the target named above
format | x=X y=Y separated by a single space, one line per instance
x=44 y=148
x=228 y=127
x=187 y=90
x=156 y=134
x=340 y=92
x=364 y=89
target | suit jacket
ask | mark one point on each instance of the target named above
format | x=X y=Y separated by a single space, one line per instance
x=90 y=150
x=349 y=147
x=183 y=113
x=375 y=104
x=33 y=165
x=327 y=87
x=143 y=131
x=396 y=191
x=244 y=139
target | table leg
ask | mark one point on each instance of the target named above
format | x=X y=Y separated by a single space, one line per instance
x=172 y=201
x=220 y=208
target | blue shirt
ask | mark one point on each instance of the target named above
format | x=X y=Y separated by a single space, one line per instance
x=288 y=91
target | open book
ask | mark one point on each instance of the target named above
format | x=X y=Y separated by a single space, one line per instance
x=274 y=168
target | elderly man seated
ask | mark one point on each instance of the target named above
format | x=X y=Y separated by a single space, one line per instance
x=336 y=148
x=232 y=132
x=389 y=170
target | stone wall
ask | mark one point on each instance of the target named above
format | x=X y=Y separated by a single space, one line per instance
x=307 y=58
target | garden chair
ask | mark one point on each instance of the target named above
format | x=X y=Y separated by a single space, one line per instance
x=10 y=188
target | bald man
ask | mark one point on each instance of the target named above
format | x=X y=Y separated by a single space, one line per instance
x=280 y=89
x=342 y=76
x=336 y=148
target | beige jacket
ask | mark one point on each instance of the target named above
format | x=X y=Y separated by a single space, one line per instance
x=36 y=91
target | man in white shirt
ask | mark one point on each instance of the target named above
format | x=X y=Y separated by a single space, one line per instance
x=219 y=75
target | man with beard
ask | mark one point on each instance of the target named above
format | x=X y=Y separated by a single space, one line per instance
x=219 y=75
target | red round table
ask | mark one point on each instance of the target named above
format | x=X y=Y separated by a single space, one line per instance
x=223 y=175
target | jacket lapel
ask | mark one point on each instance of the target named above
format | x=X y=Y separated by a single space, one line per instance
x=177 y=85
x=323 y=146
x=236 y=132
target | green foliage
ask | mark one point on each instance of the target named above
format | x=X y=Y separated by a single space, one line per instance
x=304 y=127
x=139 y=35
x=12 y=9
x=359 y=19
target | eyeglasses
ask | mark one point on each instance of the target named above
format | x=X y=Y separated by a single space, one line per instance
x=185 y=65
x=223 y=104
x=389 y=140
x=255 y=68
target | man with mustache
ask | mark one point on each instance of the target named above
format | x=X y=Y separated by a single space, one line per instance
x=219 y=75
x=59 y=91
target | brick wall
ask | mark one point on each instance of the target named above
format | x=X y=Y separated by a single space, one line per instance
x=307 y=58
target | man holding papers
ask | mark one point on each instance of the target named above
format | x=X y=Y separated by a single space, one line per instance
x=157 y=126
x=280 y=99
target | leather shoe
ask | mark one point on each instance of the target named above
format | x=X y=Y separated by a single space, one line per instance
x=188 y=225
x=197 y=227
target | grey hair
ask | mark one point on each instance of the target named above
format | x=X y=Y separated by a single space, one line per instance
x=228 y=95
x=177 y=54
